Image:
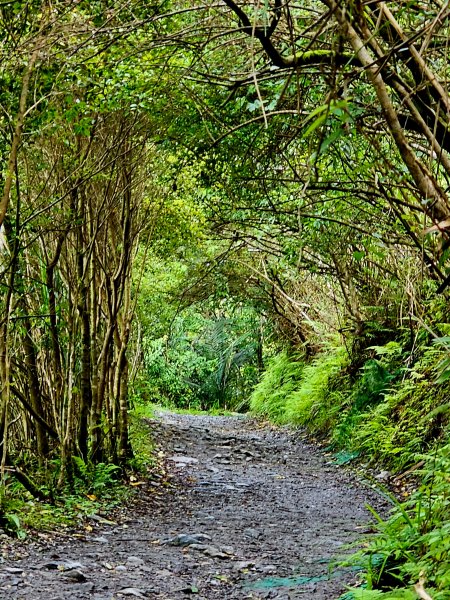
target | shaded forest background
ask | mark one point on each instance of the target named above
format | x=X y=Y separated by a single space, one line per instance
x=229 y=205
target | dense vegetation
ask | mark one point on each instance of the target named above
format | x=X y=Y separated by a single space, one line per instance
x=195 y=196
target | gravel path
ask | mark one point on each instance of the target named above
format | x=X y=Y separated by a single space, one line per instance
x=255 y=513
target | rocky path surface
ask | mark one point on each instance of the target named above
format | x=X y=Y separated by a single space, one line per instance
x=255 y=513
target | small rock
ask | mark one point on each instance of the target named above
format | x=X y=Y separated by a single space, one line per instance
x=252 y=533
x=121 y=568
x=383 y=476
x=164 y=573
x=135 y=560
x=243 y=565
x=13 y=570
x=51 y=566
x=214 y=552
x=75 y=576
x=185 y=460
x=100 y=540
x=268 y=569
x=101 y=520
x=132 y=592
x=187 y=539
x=199 y=547
x=70 y=565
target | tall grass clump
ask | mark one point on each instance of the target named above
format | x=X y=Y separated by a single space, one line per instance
x=279 y=381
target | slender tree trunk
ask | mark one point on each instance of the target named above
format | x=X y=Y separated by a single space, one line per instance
x=33 y=387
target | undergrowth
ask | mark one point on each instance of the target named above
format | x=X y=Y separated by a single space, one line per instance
x=316 y=402
x=412 y=547
x=390 y=411
x=94 y=489
x=282 y=378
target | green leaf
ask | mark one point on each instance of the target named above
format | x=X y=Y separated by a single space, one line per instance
x=315 y=124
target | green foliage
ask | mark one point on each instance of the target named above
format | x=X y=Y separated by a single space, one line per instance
x=207 y=361
x=444 y=365
x=366 y=393
x=94 y=479
x=414 y=543
x=95 y=488
x=387 y=413
x=141 y=441
x=279 y=381
x=292 y=391
x=363 y=594
x=317 y=402
x=408 y=418
x=12 y=524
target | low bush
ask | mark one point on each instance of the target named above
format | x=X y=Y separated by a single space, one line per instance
x=412 y=547
x=279 y=381
x=318 y=399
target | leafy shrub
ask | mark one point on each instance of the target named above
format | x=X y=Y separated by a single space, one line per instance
x=12 y=524
x=206 y=362
x=365 y=394
x=95 y=479
x=414 y=543
x=408 y=419
x=291 y=391
x=389 y=413
x=316 y=402
x=279 y=381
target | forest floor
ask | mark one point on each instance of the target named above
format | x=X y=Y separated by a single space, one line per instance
x=252 y=512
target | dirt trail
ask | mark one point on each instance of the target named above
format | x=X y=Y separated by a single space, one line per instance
x=263 y=511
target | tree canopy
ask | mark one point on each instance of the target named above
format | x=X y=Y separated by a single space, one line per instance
x=281 y=159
